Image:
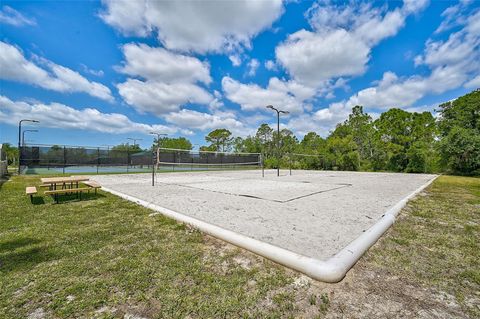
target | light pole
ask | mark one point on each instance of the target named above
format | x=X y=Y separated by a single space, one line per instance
x=134 y=140
x=23 y=135
x=158 y=136
x=19 y=137
x=107 y=145
x=278 y=134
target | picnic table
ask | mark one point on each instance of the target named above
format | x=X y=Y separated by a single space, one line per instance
x=64 y=182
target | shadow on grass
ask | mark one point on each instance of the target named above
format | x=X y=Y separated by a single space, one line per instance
x=37 y=200
x=17 y=243
x=24 y=259
x=3 y=180
x=66 y=198
x=15 y=255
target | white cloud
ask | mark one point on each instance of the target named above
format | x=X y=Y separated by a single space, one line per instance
x=288 y=96
x=473 y=83
x=86 y=69
x=321 y=121
x=313 y=58
x=235 y=59
x=167 y=80
x=453 y=16
x=55 y=77
x=56 y=115
x=270 y=65
x=197 y=26
x=159 y=98
x=8 y=15
x=194 y=120
x=217 y=102
x=453 y=63
x=161 y=65
x=252 y=67
x=341 y=42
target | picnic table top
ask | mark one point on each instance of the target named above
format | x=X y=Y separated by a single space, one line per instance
x=67 y=179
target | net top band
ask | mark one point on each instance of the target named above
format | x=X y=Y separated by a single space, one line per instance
x=213 y=152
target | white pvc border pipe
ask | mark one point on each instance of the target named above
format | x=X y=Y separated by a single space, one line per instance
x=331 y=270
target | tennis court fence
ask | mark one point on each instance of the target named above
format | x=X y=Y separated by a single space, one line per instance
x=68 y=157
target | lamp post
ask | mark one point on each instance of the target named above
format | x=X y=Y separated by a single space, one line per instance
x=23 y=135
x=158 y=136
x=134 y=140
x=278 y=134
x=19 y=137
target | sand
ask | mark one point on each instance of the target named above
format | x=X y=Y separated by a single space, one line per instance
x=314 y=213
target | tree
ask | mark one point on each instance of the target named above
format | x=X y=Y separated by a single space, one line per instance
x=181 y=143
x=124 y=147
x=264 y=136
x=459 y=126
x=462 y=112
x=396 y=132
x=359 y=125
x=10 y=152
x=220 y=139
x=312 y=143
x=210 y=148
x=460 y=151
x=342 y=153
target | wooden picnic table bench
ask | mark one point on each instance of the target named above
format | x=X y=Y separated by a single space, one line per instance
x=69 y=185
x=93 y=185
x=31 y=190
x=63 y=181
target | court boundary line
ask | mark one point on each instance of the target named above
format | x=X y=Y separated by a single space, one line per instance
x=342 y=185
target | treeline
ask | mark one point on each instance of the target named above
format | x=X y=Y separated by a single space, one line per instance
x=397 y=141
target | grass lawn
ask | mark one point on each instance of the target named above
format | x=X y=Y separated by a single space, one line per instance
x=104 y=257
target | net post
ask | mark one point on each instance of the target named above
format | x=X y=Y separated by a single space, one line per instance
x=153 y=168
x=158 y=157
x=64 y=159
x=261 y=163
x=128 y=156
x=290 y=160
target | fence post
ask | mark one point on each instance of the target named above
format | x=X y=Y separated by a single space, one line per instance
x=128 y=157
x=261 y=163
x=290 y=160
x=98 y=158
x=153 y=168
x=64 y=159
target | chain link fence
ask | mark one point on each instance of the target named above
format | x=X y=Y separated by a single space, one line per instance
x=44 y=158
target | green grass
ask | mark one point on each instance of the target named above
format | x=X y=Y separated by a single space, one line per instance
x=437 y=240
x=73 y=258
x=105 y=257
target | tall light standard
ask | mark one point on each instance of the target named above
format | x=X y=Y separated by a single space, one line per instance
x=23 y=135
x=107 y=146
x=278 y=134
x=134 y=140
x=158 y=136
x=19 y=137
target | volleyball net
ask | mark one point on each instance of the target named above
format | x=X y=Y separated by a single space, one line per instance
x=170 y=159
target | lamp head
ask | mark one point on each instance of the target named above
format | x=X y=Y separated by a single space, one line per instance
x=270 y=107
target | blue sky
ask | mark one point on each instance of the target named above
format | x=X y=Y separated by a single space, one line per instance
x=96 y=73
